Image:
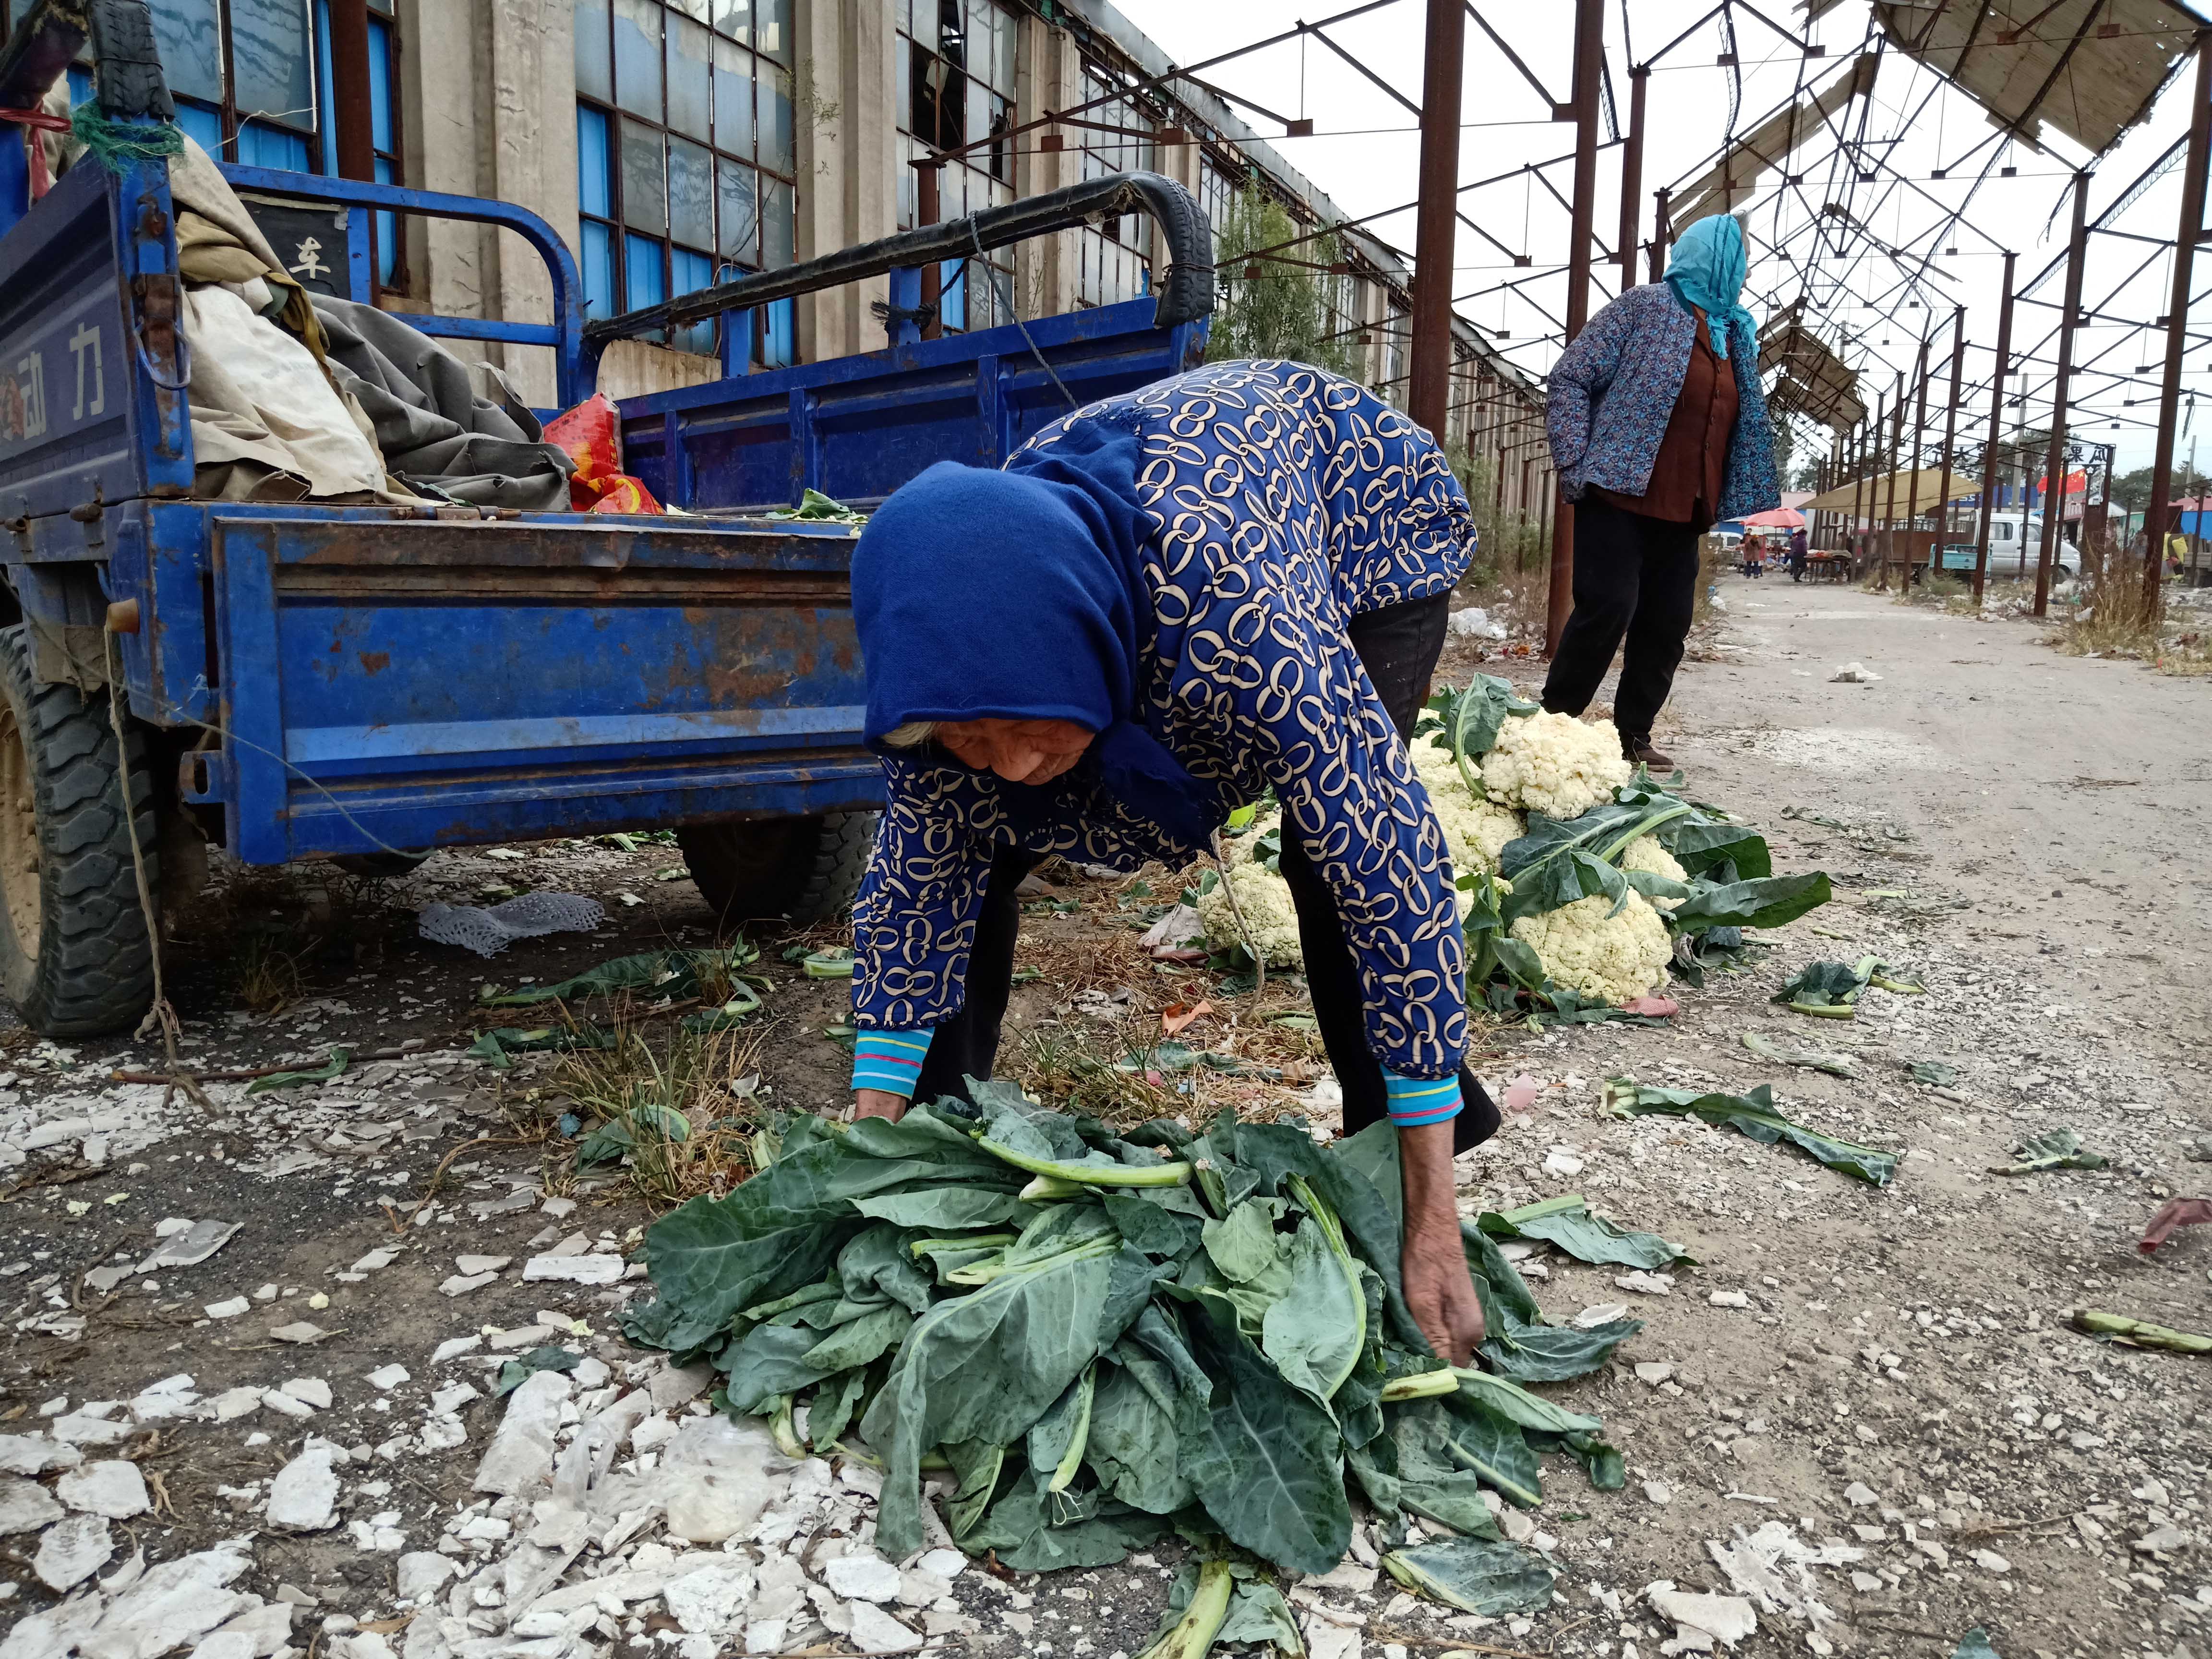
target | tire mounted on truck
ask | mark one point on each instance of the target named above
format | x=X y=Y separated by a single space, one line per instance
x=75 y=958
x=806 y=869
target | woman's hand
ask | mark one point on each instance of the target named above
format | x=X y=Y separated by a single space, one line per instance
x=1439 y=1289
x=878 y=1103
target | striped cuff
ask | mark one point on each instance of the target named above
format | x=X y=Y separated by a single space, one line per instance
x=1416 y=1103
x=890 y=1060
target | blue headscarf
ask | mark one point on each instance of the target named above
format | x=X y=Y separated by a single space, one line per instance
x=1707 y=270
x=1021 y=596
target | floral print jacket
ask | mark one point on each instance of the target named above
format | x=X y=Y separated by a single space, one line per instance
x=1612 y=391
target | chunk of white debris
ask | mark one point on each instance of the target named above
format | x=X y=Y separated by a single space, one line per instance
x=875 y=1630
x=1603 y=1314
x=1654 y=1372
x=716 y=1477
x=277 y=1401
x=234 y=1403
x=311 y=1389
x=1659 y=1492
x=1854 y=673
x=422 y=1574
x=388 y=1377
x=1729 y=1299
x=173 y=1396
x=229 y=1308
x=944 y=1563
x=1859 y=1495
x=304 y=1496
x=171 y=1604
x=1644 y=1284
x=522 y=1452
x=704 y=1600
x=1726 y=1618
x=863 y=1576
x=1561 y=1161
x=301 y=1331
x=574 y=1270
x=453 y=1347
x=1991 y=1561
x=446 y=1400
x=82 y=1428
x=374 y=1260
x=188 y=1243
x=470 y=1266
x=36 y=1454
x=25 y=1506
x=113 y=1487
x=459 y=1285
x=72 y=1550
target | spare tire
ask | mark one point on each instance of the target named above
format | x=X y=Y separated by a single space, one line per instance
x=74 y=957
x=802 y=869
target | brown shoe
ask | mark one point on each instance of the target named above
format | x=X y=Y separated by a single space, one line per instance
x=1639 y=750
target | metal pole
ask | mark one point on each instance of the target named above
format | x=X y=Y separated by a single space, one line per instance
x=1631 y=175
x=925 y=210
x=2177 y=330
x=1997 y=431
x=1912 y=491
x=1590 y=48
x=2054 y=487
x=351 y=97
x=1428 y=395
x=1859 y=478
x=1889 y=504
x=1950 y=438
x=1662 y=232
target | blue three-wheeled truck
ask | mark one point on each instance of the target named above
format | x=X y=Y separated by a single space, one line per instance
x=300 y=681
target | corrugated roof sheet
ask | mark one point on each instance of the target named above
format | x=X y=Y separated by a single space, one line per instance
x=1766 y=149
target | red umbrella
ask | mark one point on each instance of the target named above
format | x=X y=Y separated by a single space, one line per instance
x=1780 y=518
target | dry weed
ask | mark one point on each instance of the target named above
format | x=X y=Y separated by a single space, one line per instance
x=665 y=1102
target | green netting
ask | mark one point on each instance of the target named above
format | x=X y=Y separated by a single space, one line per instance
x=118 y=142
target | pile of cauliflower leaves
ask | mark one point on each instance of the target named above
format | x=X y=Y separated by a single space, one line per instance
x=1583 y=881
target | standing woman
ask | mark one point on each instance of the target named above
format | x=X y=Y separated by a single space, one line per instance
x=1659 y=431
x=1166 y=605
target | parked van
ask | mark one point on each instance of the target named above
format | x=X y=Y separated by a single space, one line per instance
x=2014 y=558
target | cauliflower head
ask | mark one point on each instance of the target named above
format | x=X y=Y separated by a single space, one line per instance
x=1602 y=958
x=1555 y=764
x=1645 y=854
x=1475 y=830
x=1263 y=897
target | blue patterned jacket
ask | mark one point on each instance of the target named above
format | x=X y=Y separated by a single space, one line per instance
x=1612 y=391
x=1282 y=502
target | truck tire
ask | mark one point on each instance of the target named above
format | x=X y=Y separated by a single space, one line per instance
x=804 y=869
x=75 y=957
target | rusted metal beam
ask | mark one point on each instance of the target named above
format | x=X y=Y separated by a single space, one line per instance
x=2187 y=236
x=1589 y=51
x=1889 y=502
x=351 y=97
x=1429 y=393
x=1950 y=438
x=1662 y=232
x=1631 y=175
x=1919 y=447
x=2054 y=493
x=1990 y=453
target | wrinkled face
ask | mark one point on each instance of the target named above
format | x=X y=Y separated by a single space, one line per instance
x=1020 y=751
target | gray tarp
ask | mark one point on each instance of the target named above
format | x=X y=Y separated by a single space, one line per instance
x=438 y=437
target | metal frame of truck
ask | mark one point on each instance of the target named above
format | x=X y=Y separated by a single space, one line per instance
x=309 y=681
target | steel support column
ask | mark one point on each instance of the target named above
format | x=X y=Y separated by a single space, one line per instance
x=353 y=101
x=1428 y=395
x=1894 y=448
x=2177 y=330
x=1631 y=175
x=1997 y=431
x=1589 y=57
x=1662 y=232
x=2054 y=480
x=1912 y=490
x=1950 y=438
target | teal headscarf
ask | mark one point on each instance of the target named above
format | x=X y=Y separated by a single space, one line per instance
x=1707 y=270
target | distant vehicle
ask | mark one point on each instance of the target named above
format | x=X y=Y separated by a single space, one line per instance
x=2013 y=556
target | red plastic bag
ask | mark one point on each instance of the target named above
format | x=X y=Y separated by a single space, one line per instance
x=591 y=435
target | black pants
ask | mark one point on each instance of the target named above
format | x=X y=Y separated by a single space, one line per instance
x=1634 y=576
x=1399 y=647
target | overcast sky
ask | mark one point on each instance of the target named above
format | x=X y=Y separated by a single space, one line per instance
x=1366 y=155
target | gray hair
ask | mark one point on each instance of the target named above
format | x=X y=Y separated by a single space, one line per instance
x=912 y=735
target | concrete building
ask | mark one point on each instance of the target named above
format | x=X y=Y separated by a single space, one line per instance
x=672 y=141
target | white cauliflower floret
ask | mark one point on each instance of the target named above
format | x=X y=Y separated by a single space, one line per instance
x=1555 y=764
x=1645 y=854
x=1263 y=898
x=1604 y=958
x=1475 y=830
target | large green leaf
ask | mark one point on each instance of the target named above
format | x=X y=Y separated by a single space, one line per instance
x=1481 y=1575
x=1357 y=1178
x=858 y=1341
x=1019 y=1528
x=1133 y=1445
x=1753 y=1115
x=1530 y=1411
x=947 y=1209
x=1445 y=1457
x=1761 y=901
x=1523 y=1351
x=1269 y=1466
x=985 y=1366
x=676 y=974
x=781 y=1228
x=2058 y=1149
x=1260 y=1617
x=770 y=1360
x=1569 y=1223
x=1244 y=1246
x=1313 y=1333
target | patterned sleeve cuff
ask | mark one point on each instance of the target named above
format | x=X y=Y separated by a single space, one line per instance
x=1416 y=1101
x=891 y=1060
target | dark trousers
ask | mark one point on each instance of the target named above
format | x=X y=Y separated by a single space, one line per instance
x=1636 y=577
x=1399 y=647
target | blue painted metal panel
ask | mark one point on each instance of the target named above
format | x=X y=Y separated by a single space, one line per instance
x=857 y=427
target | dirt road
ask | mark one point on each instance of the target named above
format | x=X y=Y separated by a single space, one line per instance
x=1872 y=1389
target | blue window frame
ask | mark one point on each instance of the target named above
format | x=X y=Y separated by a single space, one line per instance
x=685 y=156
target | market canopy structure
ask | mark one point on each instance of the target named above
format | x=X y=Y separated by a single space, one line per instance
x=1766 y=149
x=1811 y=380
x=2090 y=68
x=1873 y=497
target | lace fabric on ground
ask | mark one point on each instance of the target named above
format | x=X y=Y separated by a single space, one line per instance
x=489 y=931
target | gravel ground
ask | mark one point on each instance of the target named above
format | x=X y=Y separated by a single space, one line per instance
x=1874 y=1392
